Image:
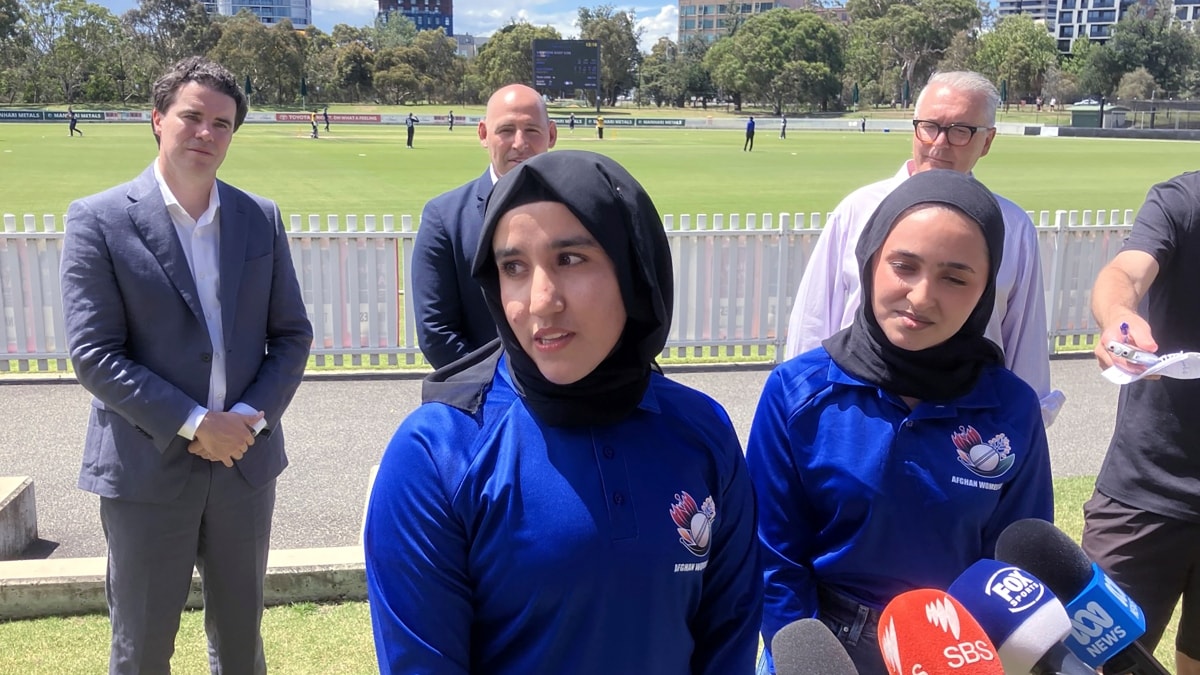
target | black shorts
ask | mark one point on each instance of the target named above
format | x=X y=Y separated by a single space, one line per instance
x=1154 y=558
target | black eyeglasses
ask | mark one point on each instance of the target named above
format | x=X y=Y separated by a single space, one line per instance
x=956 y=134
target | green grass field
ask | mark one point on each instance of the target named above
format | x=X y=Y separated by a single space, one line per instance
x=317 y=639
x=367 y=170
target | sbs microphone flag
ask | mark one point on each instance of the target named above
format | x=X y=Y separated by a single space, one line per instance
x=808 y=647
x=927 y=632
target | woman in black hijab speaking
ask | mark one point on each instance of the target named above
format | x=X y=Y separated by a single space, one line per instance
x=891 y=458
x=556 y=505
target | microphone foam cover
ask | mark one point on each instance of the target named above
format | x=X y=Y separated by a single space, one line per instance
x=1048 y=553
x=1019 y=614
x=808 y=647
x=929 y=631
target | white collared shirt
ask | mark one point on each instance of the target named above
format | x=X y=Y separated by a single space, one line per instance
x=201 y=241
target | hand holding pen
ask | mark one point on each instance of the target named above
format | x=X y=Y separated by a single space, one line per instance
x=1130 y=341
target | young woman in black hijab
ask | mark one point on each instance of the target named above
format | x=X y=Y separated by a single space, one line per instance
x=556 y=505
x=891 y=458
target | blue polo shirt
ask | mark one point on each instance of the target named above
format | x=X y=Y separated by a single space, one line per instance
x=859 y=493
x=497 y=544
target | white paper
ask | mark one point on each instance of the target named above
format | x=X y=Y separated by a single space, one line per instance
x=1179 y=366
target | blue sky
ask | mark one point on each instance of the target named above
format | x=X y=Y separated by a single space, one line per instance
x=482 y=17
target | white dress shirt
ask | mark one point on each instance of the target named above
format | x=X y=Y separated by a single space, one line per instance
x=201 y=240
x=830 y=292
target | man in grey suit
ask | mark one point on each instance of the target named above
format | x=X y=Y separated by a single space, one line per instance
x=185 y=321
x=452 y=320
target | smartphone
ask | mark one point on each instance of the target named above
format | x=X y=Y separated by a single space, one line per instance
x=1132 y=354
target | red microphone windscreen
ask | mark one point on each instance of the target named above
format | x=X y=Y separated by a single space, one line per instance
x=927 y=632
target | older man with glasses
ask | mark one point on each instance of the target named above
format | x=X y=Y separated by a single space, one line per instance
x=953 y=127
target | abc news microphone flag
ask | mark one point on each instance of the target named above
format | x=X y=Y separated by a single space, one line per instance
x=927 y=632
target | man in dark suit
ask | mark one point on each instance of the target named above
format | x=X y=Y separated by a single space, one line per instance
x=452 y=320
x=185 y=321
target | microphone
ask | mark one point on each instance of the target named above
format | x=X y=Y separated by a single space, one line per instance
x=1021 y=616
x=1105 y=621
x=927 y=632
x=808 y=647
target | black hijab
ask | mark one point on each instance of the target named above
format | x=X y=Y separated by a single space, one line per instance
x=952 y=368
x=621 y=217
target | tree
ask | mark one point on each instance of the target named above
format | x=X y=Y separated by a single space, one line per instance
x=1019 y=52
x=69 y=43
x=660 y=78
x=507 y=57
x=243 y=49
x=960 y=54
x=442 y=67
x=909 y=35
x=390 y=30
x=1156 y=43
x=169 y=30
x=396 y=74
x=355 y=68
x=10 y=14
x=618 y=35
x=1138 y=84
x=782 y=57
x=1060 y=86
x=1100 y=71
x=697 y=81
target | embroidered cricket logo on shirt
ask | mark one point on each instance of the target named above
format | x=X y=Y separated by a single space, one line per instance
x=988 y=460
x=694 y=524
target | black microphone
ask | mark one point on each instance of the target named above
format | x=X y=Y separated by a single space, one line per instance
x=1105 y=621
x=808 y=647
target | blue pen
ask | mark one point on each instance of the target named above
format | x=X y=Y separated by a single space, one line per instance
x=1124 y=332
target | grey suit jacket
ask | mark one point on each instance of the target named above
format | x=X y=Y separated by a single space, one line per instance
x=140 y=345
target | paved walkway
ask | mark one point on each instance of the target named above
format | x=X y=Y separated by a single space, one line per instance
x=337 y=429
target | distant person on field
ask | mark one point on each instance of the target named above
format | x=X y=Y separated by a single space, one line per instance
x=571 y=123
x=184 y=320
x=312 y=119
x=783 y=127
x=325 y=114
x=452 y=319
x=410 y=123
x=600 y=128
x=862 y=125
x=953 y=128
x=72 y=121
x=451 y=116
x=748 y=146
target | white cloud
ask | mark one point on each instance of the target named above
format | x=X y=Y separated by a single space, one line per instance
x=328 y=13
x=664 y=24
x=484 y=17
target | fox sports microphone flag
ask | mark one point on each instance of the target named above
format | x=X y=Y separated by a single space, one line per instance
x=1105 y=621
x=1021 y=616
x=927 y=632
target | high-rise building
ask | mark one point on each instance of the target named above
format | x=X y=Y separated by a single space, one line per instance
x=1038 y=10
x=711 y=19
x=270 y=12
x=1089 y=19
x=426 y=14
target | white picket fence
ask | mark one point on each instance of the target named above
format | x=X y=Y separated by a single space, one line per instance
x=735 y=280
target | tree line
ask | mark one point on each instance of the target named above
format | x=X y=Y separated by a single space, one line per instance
x=67 y=51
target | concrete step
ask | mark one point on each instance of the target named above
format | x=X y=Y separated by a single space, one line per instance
x=62 y=586
x=18 y=515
